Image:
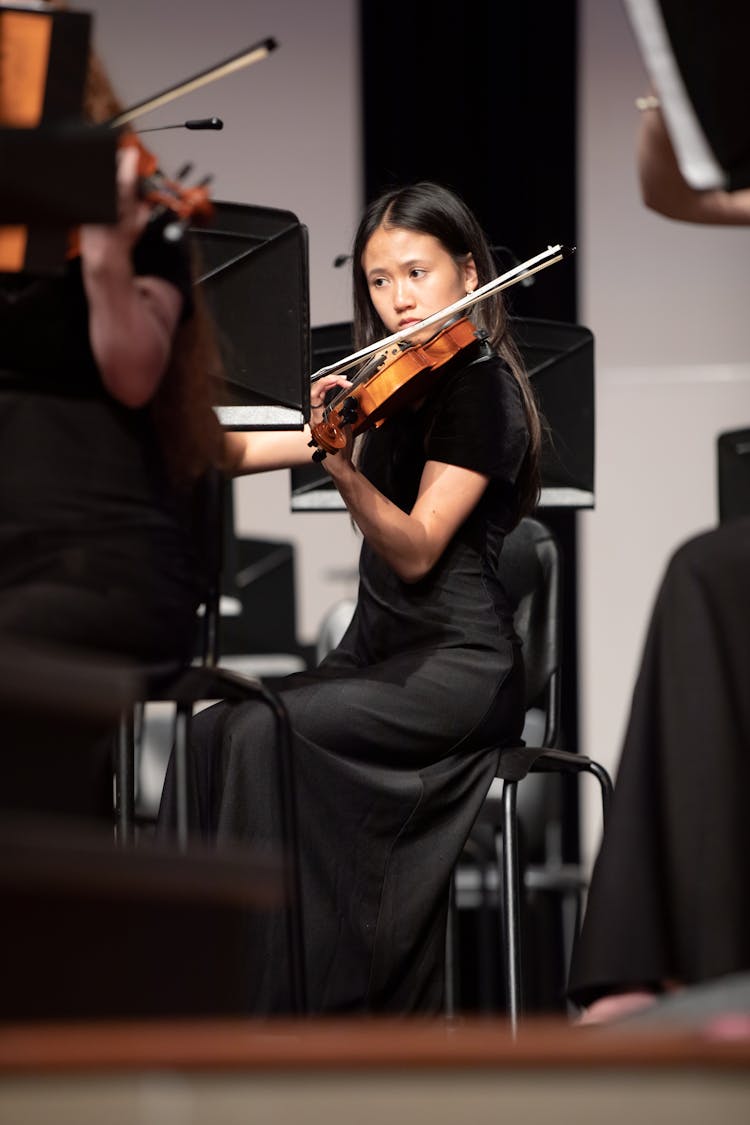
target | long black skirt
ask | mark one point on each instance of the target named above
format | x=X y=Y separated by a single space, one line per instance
x=670 y=893
x=391 y=765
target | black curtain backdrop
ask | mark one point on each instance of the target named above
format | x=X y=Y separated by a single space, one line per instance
x=483 y=101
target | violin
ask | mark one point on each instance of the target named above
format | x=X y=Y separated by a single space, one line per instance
x=401 y=371
x=31 y=50
x=185 y=205
x=396 y=377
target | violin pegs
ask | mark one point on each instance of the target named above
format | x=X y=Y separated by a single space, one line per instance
x=349 y=412
x=184 y=171
x=206 y=180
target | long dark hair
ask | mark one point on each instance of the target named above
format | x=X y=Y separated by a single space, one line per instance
x=430 y=208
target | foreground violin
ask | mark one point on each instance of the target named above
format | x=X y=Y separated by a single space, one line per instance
x=187 y=205
x=181 y=205
x=28 y=50
x=400 y=372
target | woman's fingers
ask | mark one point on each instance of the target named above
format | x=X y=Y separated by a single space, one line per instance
x=133 y=212
x=322 y=387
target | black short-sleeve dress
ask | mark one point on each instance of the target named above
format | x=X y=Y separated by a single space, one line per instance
x=391 y=731
x=95 y=550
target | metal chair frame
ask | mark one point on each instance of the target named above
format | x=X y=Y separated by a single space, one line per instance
x=186 y=686
x=530 y=567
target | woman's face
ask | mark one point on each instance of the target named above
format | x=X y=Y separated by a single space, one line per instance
x=411 y=275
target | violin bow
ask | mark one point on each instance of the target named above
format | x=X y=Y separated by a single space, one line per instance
x=523 y=270
x=244 y=58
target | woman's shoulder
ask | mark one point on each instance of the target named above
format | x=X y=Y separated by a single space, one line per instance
x=487 y=380
x=478 y=419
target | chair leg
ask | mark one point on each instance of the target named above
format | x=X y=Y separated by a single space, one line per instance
x=183 y=715
x=486 y=966
x=125 y=779
x=290 y=840
x=288 y=818
x=451 y=924
x=506 y=846
x=508 y=863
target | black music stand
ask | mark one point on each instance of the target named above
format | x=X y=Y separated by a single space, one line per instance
x=55 y=170
x=255 y=277
x=55 y=177
x=51 y=180
x=560 y=360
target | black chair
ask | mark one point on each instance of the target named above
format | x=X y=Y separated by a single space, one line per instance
x=530 y=569
x=258 y=603
x=185 y=686
x=733 y=474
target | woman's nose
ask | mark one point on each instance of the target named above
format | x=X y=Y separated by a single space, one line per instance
x=403 y=297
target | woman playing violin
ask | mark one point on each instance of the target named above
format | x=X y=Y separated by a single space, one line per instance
x=391 y=730
x=105 y=421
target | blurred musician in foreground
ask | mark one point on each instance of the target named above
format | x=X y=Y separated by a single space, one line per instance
x=669 y=903
x=105 y=424
x=105 y=418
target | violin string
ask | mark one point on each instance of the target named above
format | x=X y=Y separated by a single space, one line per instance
x=371 y=368
x=365 y=372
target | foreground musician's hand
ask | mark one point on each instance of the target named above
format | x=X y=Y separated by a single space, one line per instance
x=132 y=320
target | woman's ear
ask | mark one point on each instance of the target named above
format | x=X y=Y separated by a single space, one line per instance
x=470 y=274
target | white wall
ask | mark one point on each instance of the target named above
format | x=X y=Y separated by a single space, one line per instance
x=291 y=139
x=667 y=303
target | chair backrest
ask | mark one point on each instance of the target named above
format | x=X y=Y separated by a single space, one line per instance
x=530 y=569
x=733 y=475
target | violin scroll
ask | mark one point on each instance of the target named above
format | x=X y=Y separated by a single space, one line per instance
x=328 y=435
x=180 y=206
x=187 y=204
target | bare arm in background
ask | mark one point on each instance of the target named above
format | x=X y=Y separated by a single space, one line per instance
x=664 y=189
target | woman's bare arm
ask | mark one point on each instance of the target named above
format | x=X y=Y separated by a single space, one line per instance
x=132 y=320
x=664 y=189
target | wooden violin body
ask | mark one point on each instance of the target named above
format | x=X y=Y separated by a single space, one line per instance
x=395 y=378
